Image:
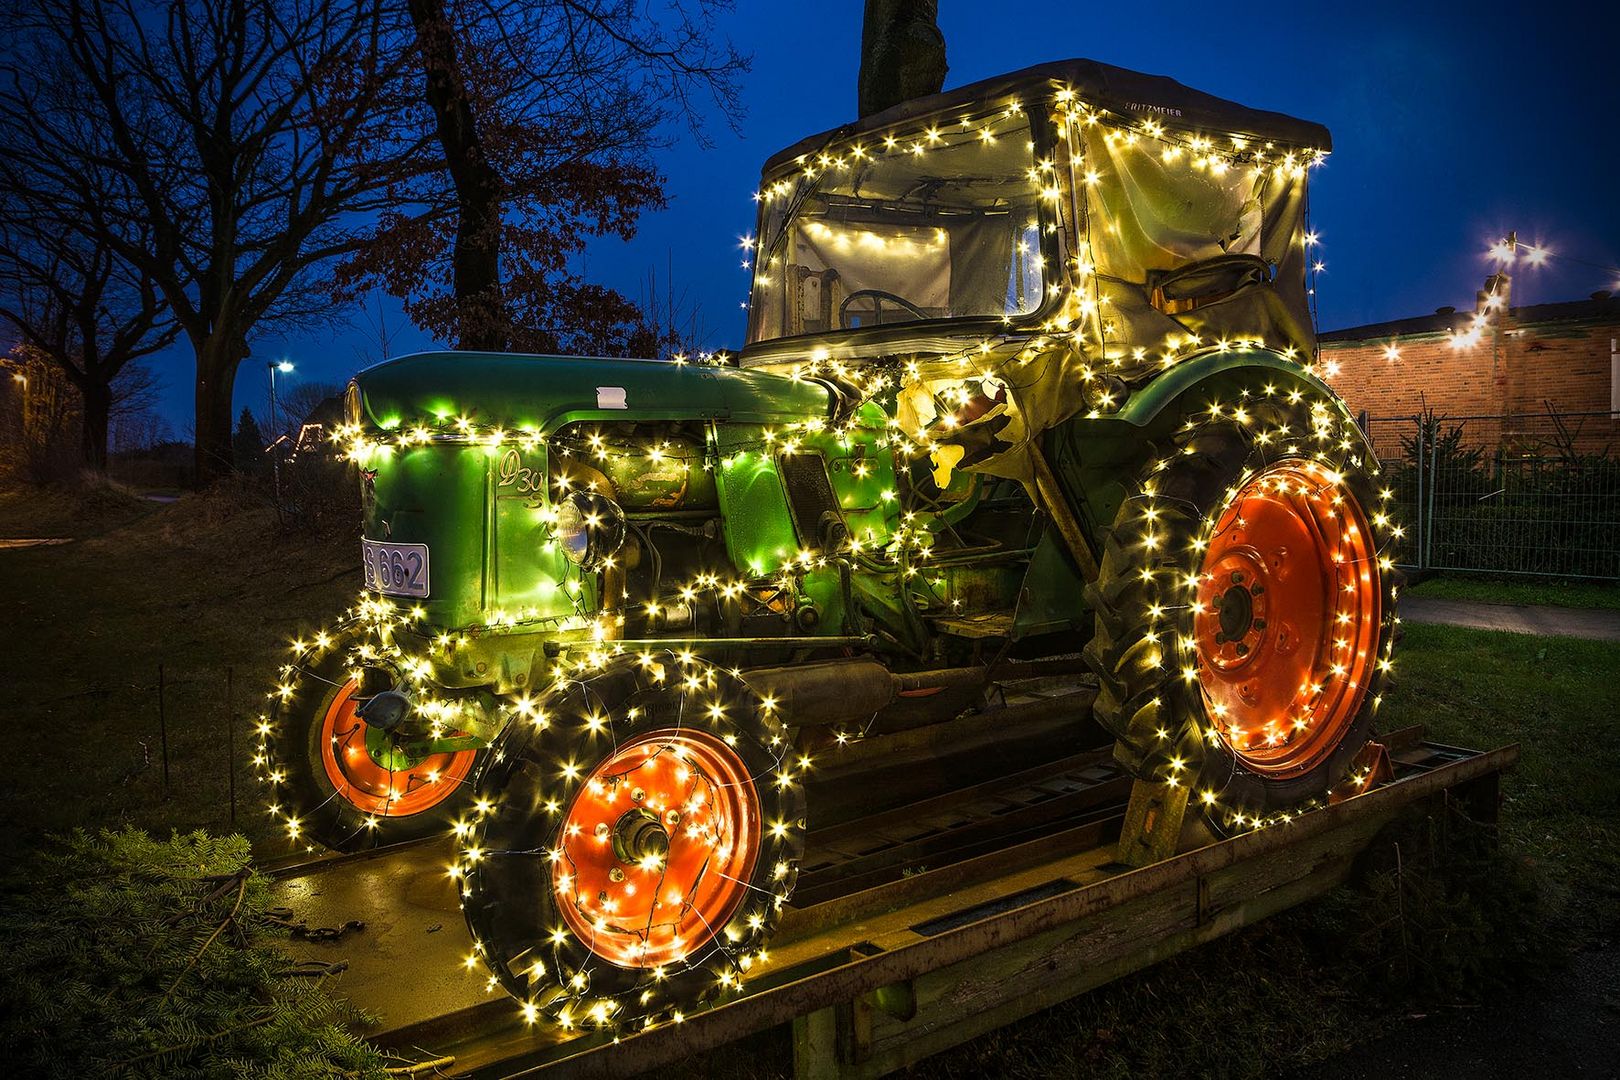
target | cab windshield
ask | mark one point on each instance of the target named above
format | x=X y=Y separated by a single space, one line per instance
x=944 y=224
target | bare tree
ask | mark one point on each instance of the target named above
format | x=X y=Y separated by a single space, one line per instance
x=296 y=403
x=902 y=53
x=546 y=114
x=79 y=305
x=242 y=143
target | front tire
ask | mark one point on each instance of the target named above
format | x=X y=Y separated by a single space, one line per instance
x=1245 y=604
x=338 y=781
x=638 y=835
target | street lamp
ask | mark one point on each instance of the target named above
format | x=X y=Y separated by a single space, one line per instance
x=19 y=377
x=283 y=366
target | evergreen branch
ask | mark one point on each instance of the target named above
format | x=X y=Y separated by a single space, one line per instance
x=194 y=1043
x=220 y=929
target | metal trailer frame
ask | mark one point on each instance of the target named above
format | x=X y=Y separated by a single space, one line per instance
x=875 y=977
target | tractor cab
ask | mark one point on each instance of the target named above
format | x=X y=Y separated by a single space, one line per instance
x=1032 y=247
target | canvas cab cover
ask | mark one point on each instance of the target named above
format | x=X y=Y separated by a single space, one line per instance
x=1035 y=245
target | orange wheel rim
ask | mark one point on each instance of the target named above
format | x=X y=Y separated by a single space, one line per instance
x=657 y=848
x=1287 y=617
x=384 y=789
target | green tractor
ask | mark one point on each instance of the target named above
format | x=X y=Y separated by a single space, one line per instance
x=1029 y=373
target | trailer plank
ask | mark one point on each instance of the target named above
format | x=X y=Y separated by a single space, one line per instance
x=880 y=977
x=1142 y=915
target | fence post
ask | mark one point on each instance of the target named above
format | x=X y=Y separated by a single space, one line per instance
x=163 y=731
x=1417 y=501
x=1434 y=465
x=230 y=736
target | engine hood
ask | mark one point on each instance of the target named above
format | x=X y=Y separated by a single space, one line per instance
x=544 y=393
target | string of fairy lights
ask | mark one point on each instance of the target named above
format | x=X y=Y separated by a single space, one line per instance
x=381 y=632
x=1335 y=445
x=1505 y=252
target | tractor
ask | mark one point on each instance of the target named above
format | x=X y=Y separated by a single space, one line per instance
x=1029 y=373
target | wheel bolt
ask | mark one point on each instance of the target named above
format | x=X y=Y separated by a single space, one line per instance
x=602 y=829
x=616 y=874
x=1259 y=624
x=637 y=795
x=1258 y=589
x=1242 y=649
x=1215 y=602
x=1237 y=576
x=672 y=817
x=1220 y=638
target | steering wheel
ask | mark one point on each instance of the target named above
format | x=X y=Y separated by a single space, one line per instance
x=878 y=296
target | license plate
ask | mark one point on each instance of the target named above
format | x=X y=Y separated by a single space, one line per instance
x=395 y=569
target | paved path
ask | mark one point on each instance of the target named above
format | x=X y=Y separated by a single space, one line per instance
x=1596 y=623
x=33 y=543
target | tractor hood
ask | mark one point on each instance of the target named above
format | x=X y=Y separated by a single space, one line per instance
x=543 y=393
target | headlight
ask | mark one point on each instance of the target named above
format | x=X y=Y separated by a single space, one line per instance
x=590 y=528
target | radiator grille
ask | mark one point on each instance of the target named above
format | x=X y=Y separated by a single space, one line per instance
x=809 y=494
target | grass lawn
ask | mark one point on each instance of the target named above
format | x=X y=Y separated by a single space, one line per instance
x=210 y=583
x=200 y=586
x=1559 y=699
x=45 y=514
x=1496 y=590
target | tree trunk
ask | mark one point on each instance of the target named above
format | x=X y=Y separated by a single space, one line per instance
x=217 y=362
x=96 y=402
x=482 y=319
x=902 y=53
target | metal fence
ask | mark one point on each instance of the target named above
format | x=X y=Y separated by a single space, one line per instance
x=1513 y=494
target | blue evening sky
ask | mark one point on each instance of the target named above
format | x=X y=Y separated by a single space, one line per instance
x=1452 y=124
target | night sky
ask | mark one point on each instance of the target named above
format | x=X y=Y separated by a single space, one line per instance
x=1452 y=124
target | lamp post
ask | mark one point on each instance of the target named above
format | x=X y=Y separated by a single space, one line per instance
x=283 y=366
x=20 y=377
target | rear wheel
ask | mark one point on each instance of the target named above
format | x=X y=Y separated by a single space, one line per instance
x=1245 y=604
x=346 y=783
x=637 y=837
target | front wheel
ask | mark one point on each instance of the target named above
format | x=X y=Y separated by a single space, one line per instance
x=346 y=783
x=637 y=836
x=1245 y=604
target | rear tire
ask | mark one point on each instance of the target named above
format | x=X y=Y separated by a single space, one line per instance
x=1245 y=604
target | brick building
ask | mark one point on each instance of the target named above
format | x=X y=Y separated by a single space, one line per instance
x=1496 y=360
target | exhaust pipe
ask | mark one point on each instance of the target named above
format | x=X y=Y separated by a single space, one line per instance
x=856 y=690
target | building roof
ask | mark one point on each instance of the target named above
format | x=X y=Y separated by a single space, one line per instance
x=1598 y=308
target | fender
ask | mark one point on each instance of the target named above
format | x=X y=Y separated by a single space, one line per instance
x=1143 y=407
x=1091 y=457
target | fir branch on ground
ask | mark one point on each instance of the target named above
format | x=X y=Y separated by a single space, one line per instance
x=129 y=956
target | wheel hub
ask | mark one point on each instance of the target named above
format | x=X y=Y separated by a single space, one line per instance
x=370 y=767
x=1286 y=617
x=656 y=848
x=388 y=752
x=1236 y=606
x=639 y=838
